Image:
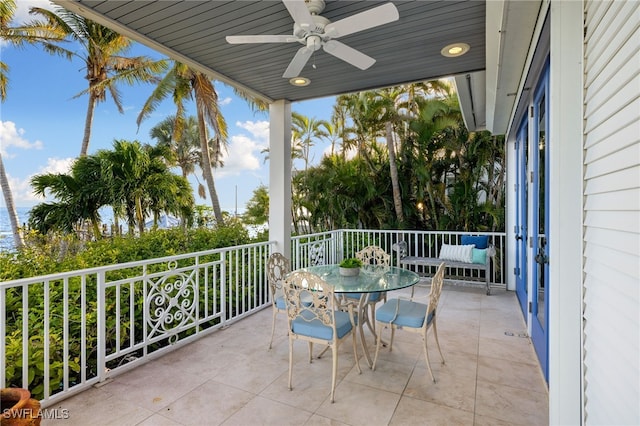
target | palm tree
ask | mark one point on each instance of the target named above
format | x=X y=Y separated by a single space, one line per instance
x=18 y=36
x=185 y=148
x=101 y=53
x=21 y=35
x=331 y=131
x=426 y=152
x=140 y=184
x=184 y=83
x=11 y=207
x=80 y=195
x=304 y=131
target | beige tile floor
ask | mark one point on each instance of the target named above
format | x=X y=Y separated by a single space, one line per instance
x=231 y=378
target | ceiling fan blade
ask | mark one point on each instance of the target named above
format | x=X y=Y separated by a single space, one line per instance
x=240 y=39
x=298 y=62
x=348 y=54
x=300 y=14
x=362 y=21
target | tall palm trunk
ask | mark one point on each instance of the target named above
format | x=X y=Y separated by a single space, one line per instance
x=11 y=208
x=206 y=168
x=88 y=122
x=393 y=171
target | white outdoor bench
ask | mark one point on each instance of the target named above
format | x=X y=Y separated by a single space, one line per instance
x=404 y=260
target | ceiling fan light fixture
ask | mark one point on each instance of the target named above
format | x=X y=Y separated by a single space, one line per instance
x=455 y=49
x=300 y=81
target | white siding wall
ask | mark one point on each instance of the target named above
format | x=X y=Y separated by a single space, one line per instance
x=612 y=213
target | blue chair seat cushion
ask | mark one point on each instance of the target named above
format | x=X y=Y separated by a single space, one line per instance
x=410 y=314
x=373 y=297
x=280 y=303
x=313 y=327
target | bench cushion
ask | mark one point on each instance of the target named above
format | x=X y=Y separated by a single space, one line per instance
x=462 y=253
x=479 y=256
x=480 y=241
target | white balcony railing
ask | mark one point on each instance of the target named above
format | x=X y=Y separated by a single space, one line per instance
x=333 y=246
x=62 y=333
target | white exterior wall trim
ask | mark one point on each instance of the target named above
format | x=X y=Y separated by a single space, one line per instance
x=566 y=213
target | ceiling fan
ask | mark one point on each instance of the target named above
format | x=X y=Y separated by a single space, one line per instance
x=315 y=31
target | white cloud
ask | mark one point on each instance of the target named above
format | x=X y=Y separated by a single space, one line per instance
x=225 y=101
x=244 y=152
x=57 y=165
x=258 y=129
x=241 y=156
x=22 y=11
x=10 y=135
x=21 y=188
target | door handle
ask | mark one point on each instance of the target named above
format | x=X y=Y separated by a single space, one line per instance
x=541 y=258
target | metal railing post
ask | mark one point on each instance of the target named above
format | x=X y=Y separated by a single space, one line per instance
x=102 y=326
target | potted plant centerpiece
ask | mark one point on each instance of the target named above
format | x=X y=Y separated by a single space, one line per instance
x=350 y=267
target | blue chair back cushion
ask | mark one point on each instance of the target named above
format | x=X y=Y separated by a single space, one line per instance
x=280 y=303
x=480 y=241
x=410 y=314
x=315 y=327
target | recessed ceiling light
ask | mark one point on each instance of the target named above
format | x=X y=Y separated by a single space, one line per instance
x=455 y=49
x=300 y=81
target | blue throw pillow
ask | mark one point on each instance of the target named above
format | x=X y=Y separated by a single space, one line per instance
x=479 y=256
x=480 y=241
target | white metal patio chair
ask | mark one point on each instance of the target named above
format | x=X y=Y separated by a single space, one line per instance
x=412 y=316
x=373 y=259
x=313 y=317
x=277 y=267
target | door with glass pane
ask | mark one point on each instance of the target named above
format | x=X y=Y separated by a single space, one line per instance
x=539 y=228
x=520 y=227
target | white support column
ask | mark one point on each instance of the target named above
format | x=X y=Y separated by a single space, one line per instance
x=280 y=176
x=566 y=214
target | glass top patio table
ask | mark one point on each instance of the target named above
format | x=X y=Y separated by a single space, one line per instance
x=370 y=279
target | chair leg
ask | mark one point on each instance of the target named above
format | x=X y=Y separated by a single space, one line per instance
x=310 y=352
x=435 y=334
x=334 y=372
x=426 y=355
x=290 y=362
x=393 y=332
x=273 y=327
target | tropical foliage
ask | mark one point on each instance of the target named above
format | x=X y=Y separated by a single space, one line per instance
x=183 y=83
x=102 y=52
x=405 y=160
x=133 y=179
x=257 y=209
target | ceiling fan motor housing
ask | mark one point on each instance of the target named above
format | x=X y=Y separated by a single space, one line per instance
x=318 y=29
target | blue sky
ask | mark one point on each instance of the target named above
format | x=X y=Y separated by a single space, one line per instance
x=41 y=123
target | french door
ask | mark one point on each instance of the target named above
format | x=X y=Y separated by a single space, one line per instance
x=520 y=228
x=539 y=226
